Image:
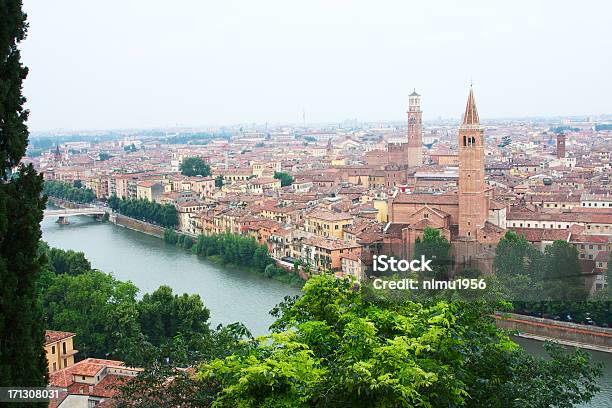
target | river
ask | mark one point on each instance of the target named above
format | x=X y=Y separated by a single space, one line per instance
x=230 y=294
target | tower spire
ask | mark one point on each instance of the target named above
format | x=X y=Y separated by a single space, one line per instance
x=470 y=117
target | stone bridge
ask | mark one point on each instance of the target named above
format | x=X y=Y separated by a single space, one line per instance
x=64 y=213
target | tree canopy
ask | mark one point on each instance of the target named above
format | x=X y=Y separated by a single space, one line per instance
x=164 y=215
x=68 y=192
x=285 y=178
x=436 y=247
x=22 y=356
x=334 y=347
x=194 y=166
x=107 y=317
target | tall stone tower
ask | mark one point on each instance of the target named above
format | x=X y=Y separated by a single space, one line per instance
x=414 y=148
x=473 y=205
x=561 y=146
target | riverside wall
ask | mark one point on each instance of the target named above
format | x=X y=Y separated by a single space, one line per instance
x=590 y=337
x=137 y=225
x=58 y=202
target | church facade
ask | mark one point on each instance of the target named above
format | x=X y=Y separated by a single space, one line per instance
x=468 y=216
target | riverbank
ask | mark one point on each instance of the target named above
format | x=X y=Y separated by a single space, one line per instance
x=231 y=293
x=551 y=330
x=159 y=232
x=280 y=274
x=136 y=225
x=569 y=334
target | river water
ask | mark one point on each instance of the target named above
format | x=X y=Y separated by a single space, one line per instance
x=230 y=294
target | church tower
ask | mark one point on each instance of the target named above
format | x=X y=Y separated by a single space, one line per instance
x=415 y=131
x=473 y=206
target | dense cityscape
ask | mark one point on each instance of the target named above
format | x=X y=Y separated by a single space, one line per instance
x=458 y=262
x=334 y=196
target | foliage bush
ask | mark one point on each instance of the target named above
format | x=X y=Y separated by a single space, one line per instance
x=334 y=347
x=65 y=191
x=164 y=215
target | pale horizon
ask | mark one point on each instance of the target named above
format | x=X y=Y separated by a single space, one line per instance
x=142 y=65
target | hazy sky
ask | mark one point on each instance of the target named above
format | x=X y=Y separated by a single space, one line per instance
x=144 y=63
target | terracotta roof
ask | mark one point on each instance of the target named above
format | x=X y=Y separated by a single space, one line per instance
x=329 y=215
x=64 y=377
x=542 y=234
x=52 y=336
x=602 y=256
x=433 y=199
x=327 y=243
x=351 y=256
x=495 y=205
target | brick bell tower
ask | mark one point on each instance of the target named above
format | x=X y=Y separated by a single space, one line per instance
x=414 y=149
x=473 y=205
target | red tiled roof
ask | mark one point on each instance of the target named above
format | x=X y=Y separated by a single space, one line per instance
x=329 y=215
x=542 y=234
x=602 y=256
x=426 y=199
x=88 y=367
x=52 y=336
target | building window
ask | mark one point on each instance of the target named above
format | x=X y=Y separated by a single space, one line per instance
x=64 y=347
x=52 y=349
x=65 y=362
x=54 y=366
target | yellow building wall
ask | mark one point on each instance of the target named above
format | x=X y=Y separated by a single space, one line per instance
x=54 y=353
x=383 y=210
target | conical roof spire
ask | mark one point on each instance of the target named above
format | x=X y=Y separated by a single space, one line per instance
x=470 y=117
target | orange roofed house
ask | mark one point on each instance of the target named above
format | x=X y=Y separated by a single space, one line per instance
x=59 y=348
x=89 y=382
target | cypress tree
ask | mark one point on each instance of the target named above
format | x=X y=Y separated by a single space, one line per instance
x=22 y=356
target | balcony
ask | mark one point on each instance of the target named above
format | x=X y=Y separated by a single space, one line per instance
x=69 y=353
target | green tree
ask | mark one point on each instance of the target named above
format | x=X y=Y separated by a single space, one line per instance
x=170 y=236
x=333 y=347
x=69 y=192
x=519 y=266
x=164 y=315
x=96 y=307
x=219 y=181
x=22 y=356
x=285 y=178
x=145 y=210
x=563 y=279
x=113 y=202
x=194 y=166
x=436 y=247
x=66 y=262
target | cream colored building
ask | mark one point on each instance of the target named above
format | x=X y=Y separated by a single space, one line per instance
x=59 y=347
